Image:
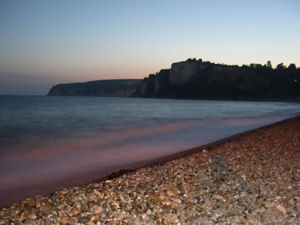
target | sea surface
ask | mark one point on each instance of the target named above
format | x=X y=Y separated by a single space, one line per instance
x=47 y=143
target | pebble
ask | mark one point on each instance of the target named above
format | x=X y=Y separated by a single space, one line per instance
x=251 y=179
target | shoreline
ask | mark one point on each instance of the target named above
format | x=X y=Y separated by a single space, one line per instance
x=108 y=171
x=146 y=170
x=187 y=152
x=65 y=164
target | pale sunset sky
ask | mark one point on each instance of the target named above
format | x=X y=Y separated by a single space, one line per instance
x=43 y=43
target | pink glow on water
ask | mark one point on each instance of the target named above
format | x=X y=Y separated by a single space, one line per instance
x=40 y=149
x=43 y=166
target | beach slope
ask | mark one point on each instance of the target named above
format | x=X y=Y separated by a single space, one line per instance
x=252 y=178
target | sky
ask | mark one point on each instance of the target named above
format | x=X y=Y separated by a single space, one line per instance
x=45 y=42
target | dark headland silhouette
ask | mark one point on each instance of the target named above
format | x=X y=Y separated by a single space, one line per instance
x=125 y=87
x=197 y=79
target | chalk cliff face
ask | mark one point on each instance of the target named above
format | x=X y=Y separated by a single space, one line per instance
x=197 y=79
x=182 y=72
x=114 y=88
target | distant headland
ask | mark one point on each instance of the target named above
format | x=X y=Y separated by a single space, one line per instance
x=197 y=79
x=113 y=88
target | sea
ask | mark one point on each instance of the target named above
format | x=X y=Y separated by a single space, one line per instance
x=48 y=143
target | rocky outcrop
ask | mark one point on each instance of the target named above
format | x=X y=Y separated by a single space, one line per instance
x=154 y=85
x=114 y=88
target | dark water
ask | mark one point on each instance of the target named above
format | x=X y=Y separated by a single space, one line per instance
x=51 y=142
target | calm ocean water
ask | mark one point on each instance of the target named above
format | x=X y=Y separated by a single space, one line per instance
x=51 y=142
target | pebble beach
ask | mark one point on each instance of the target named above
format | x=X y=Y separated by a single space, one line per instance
x=251 y=178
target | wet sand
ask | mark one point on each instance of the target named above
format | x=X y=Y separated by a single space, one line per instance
x=249 y=178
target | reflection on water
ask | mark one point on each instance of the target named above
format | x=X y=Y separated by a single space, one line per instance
x=48 y=143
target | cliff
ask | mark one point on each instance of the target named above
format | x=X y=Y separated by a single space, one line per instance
x=206 y=80
x=115 y=88
x=196 y=79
